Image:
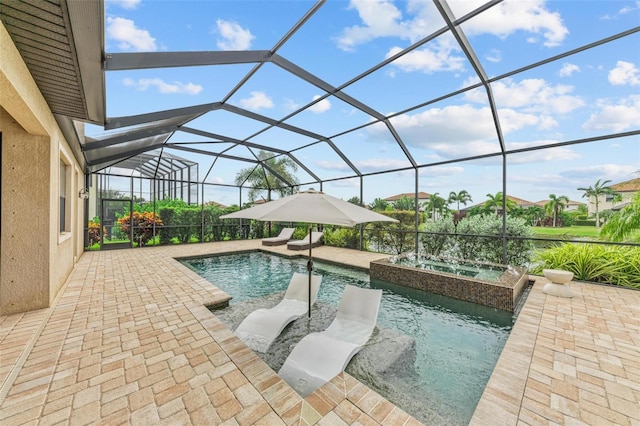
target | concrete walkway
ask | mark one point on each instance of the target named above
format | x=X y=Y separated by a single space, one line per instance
x=129 y=340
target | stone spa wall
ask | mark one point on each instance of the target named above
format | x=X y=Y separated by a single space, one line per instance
x=502 y=294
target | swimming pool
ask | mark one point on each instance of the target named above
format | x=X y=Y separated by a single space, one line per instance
x=457 y=343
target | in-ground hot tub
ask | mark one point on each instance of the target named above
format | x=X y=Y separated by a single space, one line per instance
x=487 y=284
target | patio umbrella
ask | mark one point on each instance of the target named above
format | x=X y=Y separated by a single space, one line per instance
x=312 y=207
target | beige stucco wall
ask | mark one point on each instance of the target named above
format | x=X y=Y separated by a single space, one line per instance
x=35 y=258
x=603 y=204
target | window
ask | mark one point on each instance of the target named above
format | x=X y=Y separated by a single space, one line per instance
x=64 y=197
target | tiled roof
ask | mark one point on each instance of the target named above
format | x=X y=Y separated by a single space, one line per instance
x=421 y=196
x=543 y=203
x=519 y=202
x=632 y=185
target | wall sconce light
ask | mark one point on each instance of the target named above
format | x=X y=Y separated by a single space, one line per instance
x=83 y=194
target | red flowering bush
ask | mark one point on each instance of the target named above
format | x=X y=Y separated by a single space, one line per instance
x=142 y=226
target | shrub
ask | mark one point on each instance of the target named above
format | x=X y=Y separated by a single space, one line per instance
x=592 y=262
x=396 y=237
x=442 y=239
x=481 y=240
x=143 y=224
x=213 y=230
x=343 y=237
x=567 y=219
x=93 y=231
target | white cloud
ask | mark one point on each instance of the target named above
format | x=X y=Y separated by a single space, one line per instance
x=162 y=86
x=494 y=55
x=125 y=4
x=215 y=179
x=380 y=18
x=257 y=100
x=368 y=165
x=510 y=16
x=321 y=106
x=441 y=171
x=613 y=172
x=233 y=36
x=343 y=183
x=532 y=95
x=568 y=69
x=629 y=9
x=435 y=57
x=128 y=36
x=615 y=117
x=291 y=105
x=458 y=131
x=540 y=156
x=624 y=73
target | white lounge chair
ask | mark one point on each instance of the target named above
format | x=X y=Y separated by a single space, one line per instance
x=282 y=238
x=303 y=244
x=319 y=357
x=261 y=327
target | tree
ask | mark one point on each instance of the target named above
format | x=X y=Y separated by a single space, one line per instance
x=436 y=205
x=262 y=176
x=405 y=203
x=495 y=202
x=598 y=189
x=112 y=194
x=625 y=222
x=583 y=210
x=354 y=200
x=378 y=204
x=461 y=197
x=533 y=215
x=556 y=205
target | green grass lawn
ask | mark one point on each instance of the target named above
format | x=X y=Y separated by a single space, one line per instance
x=567 y=232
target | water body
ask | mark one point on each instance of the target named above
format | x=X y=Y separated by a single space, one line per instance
x=431 y=355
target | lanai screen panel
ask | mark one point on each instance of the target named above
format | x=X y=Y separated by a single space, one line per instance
x=443 y=80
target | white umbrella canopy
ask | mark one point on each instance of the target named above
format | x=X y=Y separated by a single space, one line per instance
x=311 y=207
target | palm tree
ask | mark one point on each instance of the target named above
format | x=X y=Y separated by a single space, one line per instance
x=598 y=189
x=378 y=204
x=270 y=174
x=556 y=205
x=625 y=222
x=436 y=204
x=461 y=197
x=533 y=214
x=495 y=202
x=405 y=203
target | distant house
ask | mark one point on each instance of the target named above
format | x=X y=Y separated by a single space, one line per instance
x=422 y=197
x=518 y=201
x=626 y=189
x=214 y=203
x=571 y=206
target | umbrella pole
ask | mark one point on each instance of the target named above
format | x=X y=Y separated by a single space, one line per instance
x=310 y=269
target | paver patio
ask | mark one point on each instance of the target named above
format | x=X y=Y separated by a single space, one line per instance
x=129 y=340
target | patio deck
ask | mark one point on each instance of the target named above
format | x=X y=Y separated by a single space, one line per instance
x=129 y=341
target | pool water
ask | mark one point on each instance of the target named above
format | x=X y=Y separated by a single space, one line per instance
x=457 y=343
x=484 y=272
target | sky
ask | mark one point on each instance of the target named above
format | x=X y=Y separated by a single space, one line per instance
x=588 y=94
